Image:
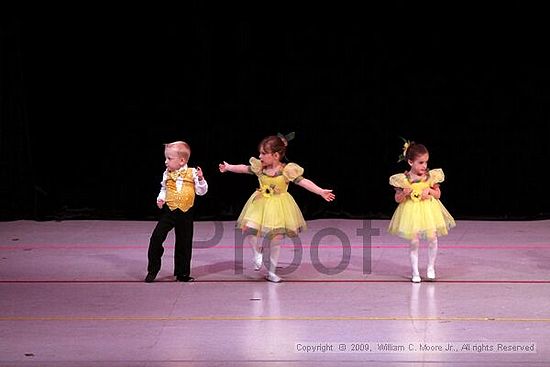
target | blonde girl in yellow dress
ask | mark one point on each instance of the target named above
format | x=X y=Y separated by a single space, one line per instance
x=420 y=214
x=271 y=211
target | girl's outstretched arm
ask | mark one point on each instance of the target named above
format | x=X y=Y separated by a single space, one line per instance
x=311 y=186
x=236 y=168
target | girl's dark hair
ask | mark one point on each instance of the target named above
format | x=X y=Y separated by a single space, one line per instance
x=274 y=144
x=415 y=150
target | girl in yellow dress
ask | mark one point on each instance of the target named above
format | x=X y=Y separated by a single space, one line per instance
x=271 y=211
x=420 y=214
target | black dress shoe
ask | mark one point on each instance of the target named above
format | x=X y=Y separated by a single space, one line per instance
x=185 y=278
x=150 y=278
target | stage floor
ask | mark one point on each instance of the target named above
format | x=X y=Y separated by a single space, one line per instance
x=72 y=294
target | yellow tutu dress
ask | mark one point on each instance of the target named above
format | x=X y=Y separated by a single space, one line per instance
x=417 y=218
x=271 y=209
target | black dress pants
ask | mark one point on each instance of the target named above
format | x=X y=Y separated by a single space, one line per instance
x=182 y=223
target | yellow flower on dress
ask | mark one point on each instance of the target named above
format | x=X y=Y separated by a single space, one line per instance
x=416 y=195
x=268 y=190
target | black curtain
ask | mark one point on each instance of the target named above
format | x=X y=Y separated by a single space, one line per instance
x=101 y=95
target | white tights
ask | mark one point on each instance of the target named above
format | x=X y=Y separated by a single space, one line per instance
x=432 y=254
x=273 y=251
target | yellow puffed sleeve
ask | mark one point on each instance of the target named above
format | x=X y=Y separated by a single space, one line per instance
x=255 y=166
x=293 y=172
x=436 y=176
x=399 y=180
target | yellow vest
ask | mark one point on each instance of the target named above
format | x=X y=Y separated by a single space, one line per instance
x=185 y=198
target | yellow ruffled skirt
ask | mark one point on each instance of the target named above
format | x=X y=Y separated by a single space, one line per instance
x=272 y=215
x=421 y=219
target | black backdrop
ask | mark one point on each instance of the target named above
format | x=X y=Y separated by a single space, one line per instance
x=88 y=101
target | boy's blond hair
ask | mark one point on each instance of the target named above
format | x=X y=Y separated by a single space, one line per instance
x=182 y=149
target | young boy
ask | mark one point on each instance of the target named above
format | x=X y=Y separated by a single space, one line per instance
x=179 y=185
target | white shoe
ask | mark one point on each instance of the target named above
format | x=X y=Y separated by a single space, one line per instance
x=416 y=279
x=272 y=277
x=258 y=260
x=430 y=274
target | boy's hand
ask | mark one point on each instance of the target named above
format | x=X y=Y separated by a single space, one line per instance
x=160 y=203
x=200 y=175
